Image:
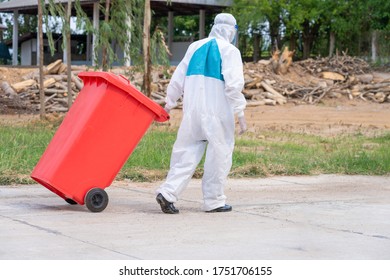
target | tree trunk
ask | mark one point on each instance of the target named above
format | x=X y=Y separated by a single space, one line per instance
x=68 y=54
x=359 y=44
x=306 y=49
x=374 y=45
x=332 y=43
x=293 y=41
x=275 y=37
x=256 y=47
x=104 y=49
x=40 y=38
x=310 y=32
x=243 y=44
x=146 y=48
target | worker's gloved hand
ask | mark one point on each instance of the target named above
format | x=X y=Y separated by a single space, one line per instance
x=167 y=109
x=243 y=126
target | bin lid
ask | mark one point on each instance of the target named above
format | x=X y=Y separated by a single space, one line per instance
x=124 y=84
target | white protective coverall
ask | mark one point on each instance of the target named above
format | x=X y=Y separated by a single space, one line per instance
x=210 y=79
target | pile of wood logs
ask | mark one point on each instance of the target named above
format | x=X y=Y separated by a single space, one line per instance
x=307 y=81
x=343 y=65
x=311 y=80
x=160 y=77
x=26 y=92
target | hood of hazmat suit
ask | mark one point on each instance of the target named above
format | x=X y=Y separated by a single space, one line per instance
x=210 y=80
x=225 y=28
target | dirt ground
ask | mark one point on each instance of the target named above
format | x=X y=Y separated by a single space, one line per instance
x=330 y=119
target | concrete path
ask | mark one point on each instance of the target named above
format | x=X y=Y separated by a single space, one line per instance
x=279 y=218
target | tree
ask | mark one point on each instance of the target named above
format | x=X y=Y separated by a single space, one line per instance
x=273 y=10
x=112 y=32
x=378 y=18
x=304 y=17
x=65 y=15
x=341 y=24
x=27 y=24
x=337 y=22
x=251 y=23
x=115 y=29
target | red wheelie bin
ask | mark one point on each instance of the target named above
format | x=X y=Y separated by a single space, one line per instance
x=98 y=134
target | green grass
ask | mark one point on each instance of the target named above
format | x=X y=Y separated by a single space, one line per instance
x=274 y=153
x=301 y=154
x=150 y=159
x=20 y=149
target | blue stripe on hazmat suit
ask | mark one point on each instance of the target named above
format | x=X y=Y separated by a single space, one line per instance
x=210 y=80
x=206 y=61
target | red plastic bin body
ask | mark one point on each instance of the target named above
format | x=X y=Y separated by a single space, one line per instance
x=104 y=125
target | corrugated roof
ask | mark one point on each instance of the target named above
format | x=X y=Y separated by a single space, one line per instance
x=188 y=7
x=160 y=7
x=28 y=5
x=222 y=3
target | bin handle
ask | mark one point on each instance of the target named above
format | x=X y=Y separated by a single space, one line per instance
x=123 y=77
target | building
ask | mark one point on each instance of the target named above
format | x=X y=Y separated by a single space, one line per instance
x=159 y=7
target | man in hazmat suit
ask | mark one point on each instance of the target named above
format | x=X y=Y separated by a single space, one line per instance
x=210 y=79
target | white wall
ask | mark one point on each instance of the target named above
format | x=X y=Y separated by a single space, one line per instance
x=178 y=51
x=27 y=48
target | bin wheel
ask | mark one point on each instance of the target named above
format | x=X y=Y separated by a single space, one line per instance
x=96 y=200
x=70 y=201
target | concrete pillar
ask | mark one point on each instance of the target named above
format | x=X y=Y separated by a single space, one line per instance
x=37 y=51
x=88 y=48
x=170 y=30
x=64 y=57
x=15 y=38
x=96 y=27
x=126 y=55
x=202 y=20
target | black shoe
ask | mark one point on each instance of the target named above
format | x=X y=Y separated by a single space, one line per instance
x=225 y=208
x=166 y=206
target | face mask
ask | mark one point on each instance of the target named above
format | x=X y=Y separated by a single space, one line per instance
x=234 y=42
